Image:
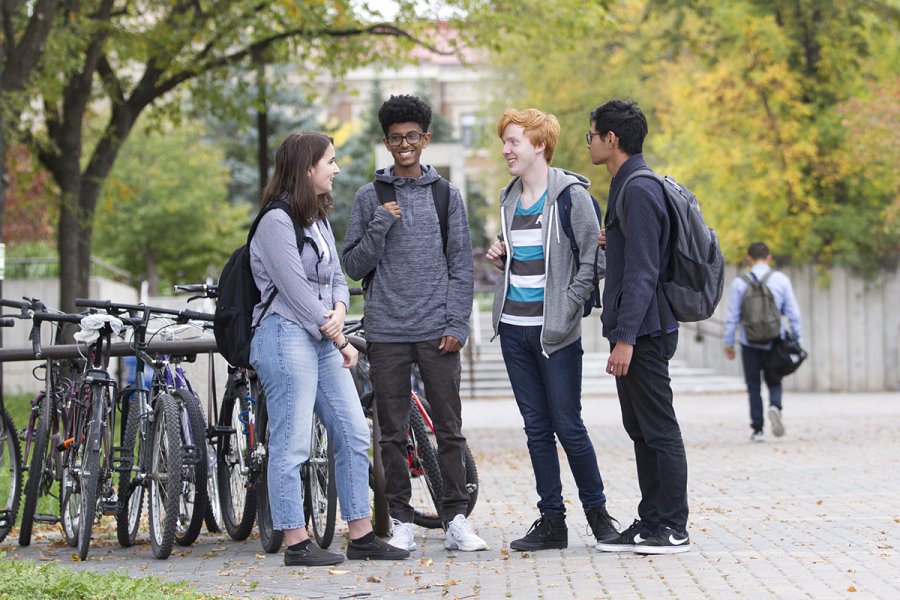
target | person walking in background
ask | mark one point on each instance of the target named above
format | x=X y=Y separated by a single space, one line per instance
x=537 y=313
x=419 y=290
x=642 y=331
x=757 y=300
x=301 y=355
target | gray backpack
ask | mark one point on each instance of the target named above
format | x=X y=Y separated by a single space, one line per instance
x=693 y=281
x=759 y=312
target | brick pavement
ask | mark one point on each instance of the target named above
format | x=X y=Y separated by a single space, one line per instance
x=815 y=514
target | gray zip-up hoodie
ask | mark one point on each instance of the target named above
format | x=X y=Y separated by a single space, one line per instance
x=418 y=293
x=566 y=289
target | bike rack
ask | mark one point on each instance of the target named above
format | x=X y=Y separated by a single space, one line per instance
x=176 y=347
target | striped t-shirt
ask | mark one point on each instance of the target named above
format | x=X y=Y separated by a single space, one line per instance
x=525 y=295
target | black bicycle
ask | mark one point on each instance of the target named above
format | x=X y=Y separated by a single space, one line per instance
x=241 y=436
x=10 y=465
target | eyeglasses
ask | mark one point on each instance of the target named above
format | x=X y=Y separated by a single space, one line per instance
x=589 y=136
x=412 y=138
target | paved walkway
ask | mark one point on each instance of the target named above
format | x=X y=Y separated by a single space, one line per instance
x=815 y=514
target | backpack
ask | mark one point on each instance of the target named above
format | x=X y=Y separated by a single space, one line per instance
x=564 y=205
x=759 y=312
x=440 y=191
x=694 y=279
x=233 y=323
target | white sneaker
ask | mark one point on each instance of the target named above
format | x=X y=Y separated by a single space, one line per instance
x=775 y=421
x=461 y=536
x=758 y=436
x=403 y=536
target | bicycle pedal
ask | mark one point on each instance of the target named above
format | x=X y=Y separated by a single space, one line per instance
x=219 y=431
x=49 y=519
x=108 y=507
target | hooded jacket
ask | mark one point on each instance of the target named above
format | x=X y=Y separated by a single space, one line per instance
x=418 y=293
x=566 y=288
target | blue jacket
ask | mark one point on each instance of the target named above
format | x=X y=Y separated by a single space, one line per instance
x=633 y=257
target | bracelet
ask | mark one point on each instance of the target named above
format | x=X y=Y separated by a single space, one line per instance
x=344 y=345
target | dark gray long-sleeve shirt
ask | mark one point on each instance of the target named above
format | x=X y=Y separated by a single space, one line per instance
x=417 y=293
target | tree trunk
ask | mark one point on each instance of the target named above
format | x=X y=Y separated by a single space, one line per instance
x=152 y=273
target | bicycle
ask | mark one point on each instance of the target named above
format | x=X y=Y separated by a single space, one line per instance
x=10 y=465
x=47 y=419
x=422 y=453
x=161 y=445
x=89 y=459
x=242 y=462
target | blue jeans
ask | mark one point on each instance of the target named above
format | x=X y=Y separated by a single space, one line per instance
x=548 y=393
x=754 y=360
x=300 y=375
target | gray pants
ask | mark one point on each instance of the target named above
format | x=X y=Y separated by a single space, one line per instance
x=391 y=369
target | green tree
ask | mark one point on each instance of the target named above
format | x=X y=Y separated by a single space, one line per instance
x=134 y=57
x=781 y=116
x=163 y=214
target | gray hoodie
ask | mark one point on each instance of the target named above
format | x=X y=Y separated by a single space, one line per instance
x=566 y=289
x=418 y=293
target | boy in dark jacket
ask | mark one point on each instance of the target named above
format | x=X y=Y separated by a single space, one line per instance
x=643 y=335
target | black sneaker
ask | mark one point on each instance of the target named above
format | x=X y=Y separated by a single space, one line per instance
x=601 y=524
x=377 y=550
x=547 y=533
x=311 y=556
x=667 y=541
x=626 y=540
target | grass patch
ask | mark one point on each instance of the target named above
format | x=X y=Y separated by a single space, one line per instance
x=25 y=579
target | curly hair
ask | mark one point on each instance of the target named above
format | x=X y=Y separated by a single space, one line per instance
x=404 y=109
x=540 y=128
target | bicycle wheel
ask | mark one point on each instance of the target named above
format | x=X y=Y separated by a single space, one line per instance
x=236 y=499
x=424 y=473
x=10 y=474
x=320 y=495
x=165 y=475
x=269 y=537
x=131 y=489
x=193 y=498
x=38 y=471
x=89 y=473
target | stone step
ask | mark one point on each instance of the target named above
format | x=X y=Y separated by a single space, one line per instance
x=485 y=377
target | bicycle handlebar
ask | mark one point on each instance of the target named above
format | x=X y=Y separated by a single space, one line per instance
x=356 y=291
x=110 y=306
x=204 y=290
x=39 y=317
x=7 y=322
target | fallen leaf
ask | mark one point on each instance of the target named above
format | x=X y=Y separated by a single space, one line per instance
x=819 y=502
x=851 y=589
x=337 y=572
x=373 y=579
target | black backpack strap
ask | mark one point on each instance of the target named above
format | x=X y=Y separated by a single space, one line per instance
x=440 y=191
x=298 y=232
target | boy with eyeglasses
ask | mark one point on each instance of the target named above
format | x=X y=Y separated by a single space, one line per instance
x=418 y=301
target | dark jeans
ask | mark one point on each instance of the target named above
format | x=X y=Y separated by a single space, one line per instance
x=645 y=395
x=391 y=369
x=754 y=360
x=548 y=392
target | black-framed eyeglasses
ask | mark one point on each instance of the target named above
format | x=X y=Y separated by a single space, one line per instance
x=589 y=136
x=412 y=138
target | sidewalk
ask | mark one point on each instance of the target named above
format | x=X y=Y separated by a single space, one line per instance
x=815 y=514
